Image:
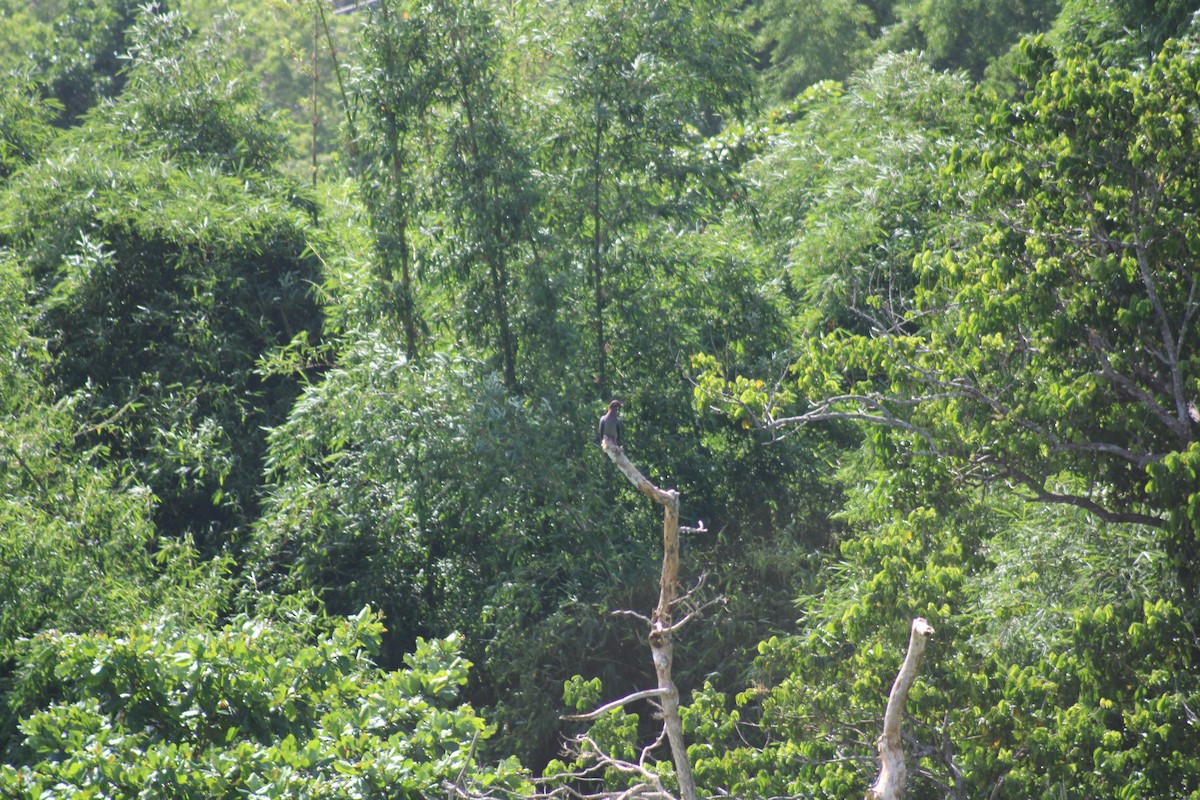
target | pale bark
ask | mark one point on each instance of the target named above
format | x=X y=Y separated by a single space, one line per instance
x=892 y=770
x=661 y=649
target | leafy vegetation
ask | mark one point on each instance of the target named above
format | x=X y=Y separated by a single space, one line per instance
x=306 y=320
x=250 y=708
x=165 y=259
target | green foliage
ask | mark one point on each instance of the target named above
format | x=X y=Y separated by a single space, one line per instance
x=1126 y=32
x=397 y=81
x=967 y=34
x=158 y=318
x=82 y=64
x=24 y=123
x=806 y=42
x=554 y=202
x=1017 y=360
x=639 y=84
x=865 y=205
x=163 y=265
x=534 y=554
x=274 y=45
x=429 y=490
x=840 y=218
x=1035 y=683
x=77 y=540
x=256 y=707
x=811 y=42
x=1012 y=356
x=613 y=735
x=486 y=172
x=369 y=496
x=185 y=95
x=847 y=193
x=67 y=519
x=443 y=175
x=22 y=32
x=1099 y=164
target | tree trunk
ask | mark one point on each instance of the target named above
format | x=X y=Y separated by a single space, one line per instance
x=496 y=256
x=662 y=651
x=892 y=770
x=598 y=294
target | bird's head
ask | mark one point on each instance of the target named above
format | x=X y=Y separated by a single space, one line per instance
x=614 y=405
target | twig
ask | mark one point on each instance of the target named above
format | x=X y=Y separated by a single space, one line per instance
x=466 y=763
x=662 y=735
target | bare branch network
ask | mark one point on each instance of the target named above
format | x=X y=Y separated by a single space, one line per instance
x=644 y=783
x=648 y=785
x=981 y=465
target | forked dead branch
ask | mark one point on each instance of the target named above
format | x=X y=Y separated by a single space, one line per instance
x=645 y=783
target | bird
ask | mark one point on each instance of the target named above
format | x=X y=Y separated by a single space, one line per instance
x=610 y=424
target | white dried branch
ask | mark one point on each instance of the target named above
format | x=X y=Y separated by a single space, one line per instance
x=618 y=703
x=892 y=770
x=650 y=748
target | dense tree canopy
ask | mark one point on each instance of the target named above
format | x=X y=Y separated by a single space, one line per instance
x=306 y=319
x=1053 y=353
x=165 y=258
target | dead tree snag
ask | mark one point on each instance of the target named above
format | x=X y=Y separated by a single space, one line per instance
x=892 y=770
x=661 y=626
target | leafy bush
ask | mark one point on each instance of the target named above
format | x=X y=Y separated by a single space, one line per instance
x=254 y=708
x=165 y=258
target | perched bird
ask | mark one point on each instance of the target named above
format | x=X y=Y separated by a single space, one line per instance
x=610 y=424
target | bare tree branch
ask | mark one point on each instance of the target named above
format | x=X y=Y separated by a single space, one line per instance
x=981 y=467
x=618 y=703
x=892 y=771
x=1043 y=495
x=1177 y=426
x=662 y=649
x=650 y=748
x=1141 y=461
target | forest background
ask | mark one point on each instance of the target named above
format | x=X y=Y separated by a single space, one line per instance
x=307 y=319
